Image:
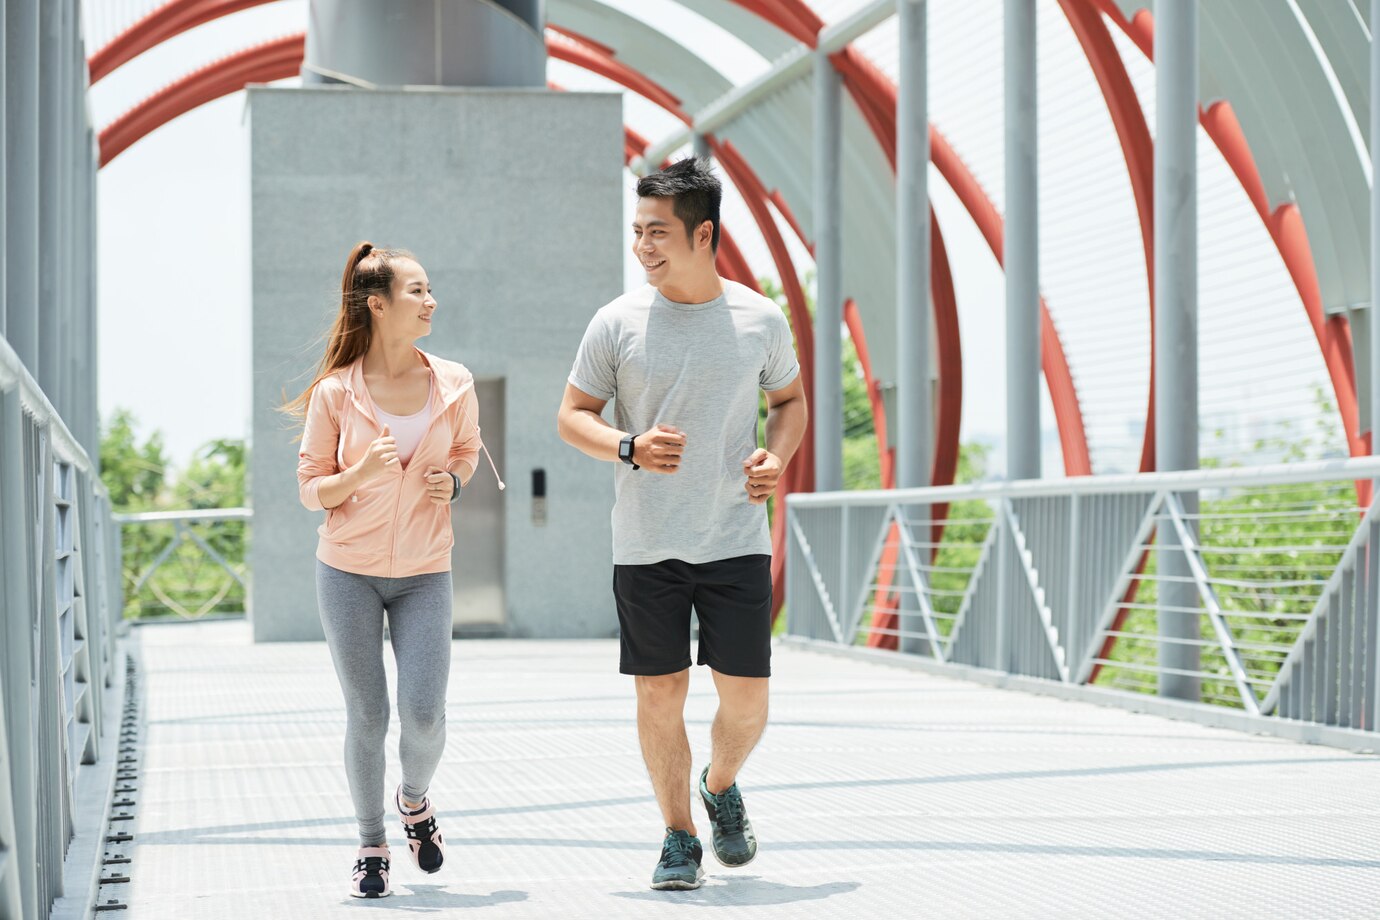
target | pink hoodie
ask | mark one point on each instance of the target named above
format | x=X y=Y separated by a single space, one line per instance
x=388 y=527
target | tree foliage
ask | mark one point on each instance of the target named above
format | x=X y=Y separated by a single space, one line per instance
x=184 y=578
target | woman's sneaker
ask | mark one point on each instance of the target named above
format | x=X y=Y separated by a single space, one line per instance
x=371 y=873
x=424 y=838
x=734 y=842
x=679 y=868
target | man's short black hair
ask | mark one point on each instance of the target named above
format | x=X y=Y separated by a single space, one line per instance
x=694 y=190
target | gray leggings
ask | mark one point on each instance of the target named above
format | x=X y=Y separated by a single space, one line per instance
x=419 y=626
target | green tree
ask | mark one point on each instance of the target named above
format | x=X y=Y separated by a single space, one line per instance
x=132 y=472
x=137 y=475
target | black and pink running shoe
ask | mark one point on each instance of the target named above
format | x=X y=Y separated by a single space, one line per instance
x=423 y=836
x=371 y=873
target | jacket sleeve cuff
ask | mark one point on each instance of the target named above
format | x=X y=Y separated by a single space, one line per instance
x=311 y=494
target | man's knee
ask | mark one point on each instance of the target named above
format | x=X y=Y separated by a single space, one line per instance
x=662 y=691
x=743 y=697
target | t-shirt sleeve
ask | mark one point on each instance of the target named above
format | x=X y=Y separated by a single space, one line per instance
x=596 y=363
x=781 y=366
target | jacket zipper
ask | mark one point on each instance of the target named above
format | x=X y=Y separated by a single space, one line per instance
x=397 y=509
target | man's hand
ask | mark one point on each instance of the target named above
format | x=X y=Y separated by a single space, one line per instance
x=439 y=486
x=762 y=470
x=660 y=449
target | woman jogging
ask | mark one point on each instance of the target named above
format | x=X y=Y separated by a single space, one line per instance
x=391 y=434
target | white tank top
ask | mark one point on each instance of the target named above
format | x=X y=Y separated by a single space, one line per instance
x=407 y=430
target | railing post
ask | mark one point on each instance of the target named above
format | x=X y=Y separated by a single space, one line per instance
x=18 y=606
x=1003 y=617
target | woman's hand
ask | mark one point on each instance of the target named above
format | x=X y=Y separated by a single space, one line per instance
x=381 y=457
x=440 y=486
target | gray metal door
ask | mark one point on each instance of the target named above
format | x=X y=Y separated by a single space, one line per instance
x=477 y=559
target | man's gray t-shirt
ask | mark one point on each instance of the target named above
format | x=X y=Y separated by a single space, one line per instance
x=698 y=367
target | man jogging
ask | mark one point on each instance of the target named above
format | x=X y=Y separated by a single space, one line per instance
x=684 y=358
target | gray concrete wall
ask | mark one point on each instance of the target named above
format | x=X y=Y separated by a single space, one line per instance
x=512 y=201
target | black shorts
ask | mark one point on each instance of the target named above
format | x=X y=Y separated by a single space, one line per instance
x=731 y=597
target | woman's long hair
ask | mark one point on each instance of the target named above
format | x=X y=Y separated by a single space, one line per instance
x=368 y=271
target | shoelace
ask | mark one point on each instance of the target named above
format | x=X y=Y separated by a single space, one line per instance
x=676 y=851
x=728 y=811
x=371 y=865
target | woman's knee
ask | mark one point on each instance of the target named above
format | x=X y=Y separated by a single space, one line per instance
x=424 y=717
x=369 y=720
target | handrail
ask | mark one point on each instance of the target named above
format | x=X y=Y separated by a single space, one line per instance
x=202 y=514
x=33 y=399
x=1144 y=483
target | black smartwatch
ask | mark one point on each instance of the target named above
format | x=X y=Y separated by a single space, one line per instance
x=625 y=451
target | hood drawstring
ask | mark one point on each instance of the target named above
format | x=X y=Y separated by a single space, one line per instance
x=493 y=466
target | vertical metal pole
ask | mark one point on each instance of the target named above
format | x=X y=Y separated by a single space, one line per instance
x=915 y=428
x=93 y=420
x=1021 y=247
x=827 y=409
x=49 y=372
x=18 y=607
x=1002 y=615
x=4 y=170
x=1176 y=318
x=21 y=89
x=1374 y=231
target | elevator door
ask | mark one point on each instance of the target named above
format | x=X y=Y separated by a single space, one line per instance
x=477 y=559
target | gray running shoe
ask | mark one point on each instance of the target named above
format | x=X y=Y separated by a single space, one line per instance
x=734 y=842
x=679 y=869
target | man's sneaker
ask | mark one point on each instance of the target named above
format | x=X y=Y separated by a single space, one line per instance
x=371 y=873
x=424 y=838
x=734 y=842
x=679 y=869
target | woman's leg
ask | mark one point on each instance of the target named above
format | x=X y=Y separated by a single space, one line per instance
x=419 y=626
x=352 y=614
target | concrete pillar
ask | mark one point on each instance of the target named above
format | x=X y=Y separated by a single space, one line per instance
x=827 y=405
x=915 y=424
x=467 y=43
x=21 y=89
x=1176 y=319
x=1022 y=247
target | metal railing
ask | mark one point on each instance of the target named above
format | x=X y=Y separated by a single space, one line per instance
x=195 y=562
x=58 y=610
x=1253 y=590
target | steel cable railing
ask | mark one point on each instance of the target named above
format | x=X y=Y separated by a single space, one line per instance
x=1060 y=580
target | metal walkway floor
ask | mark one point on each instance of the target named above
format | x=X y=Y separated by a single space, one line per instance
x=877 y=792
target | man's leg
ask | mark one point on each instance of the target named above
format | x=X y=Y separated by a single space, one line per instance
x=733 y=599
x=738 y=726
x=665 y=747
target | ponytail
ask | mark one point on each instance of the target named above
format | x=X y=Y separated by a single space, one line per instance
x=368 y=272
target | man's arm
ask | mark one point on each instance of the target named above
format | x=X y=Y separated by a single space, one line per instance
x=787 y=416
x=582 y=425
